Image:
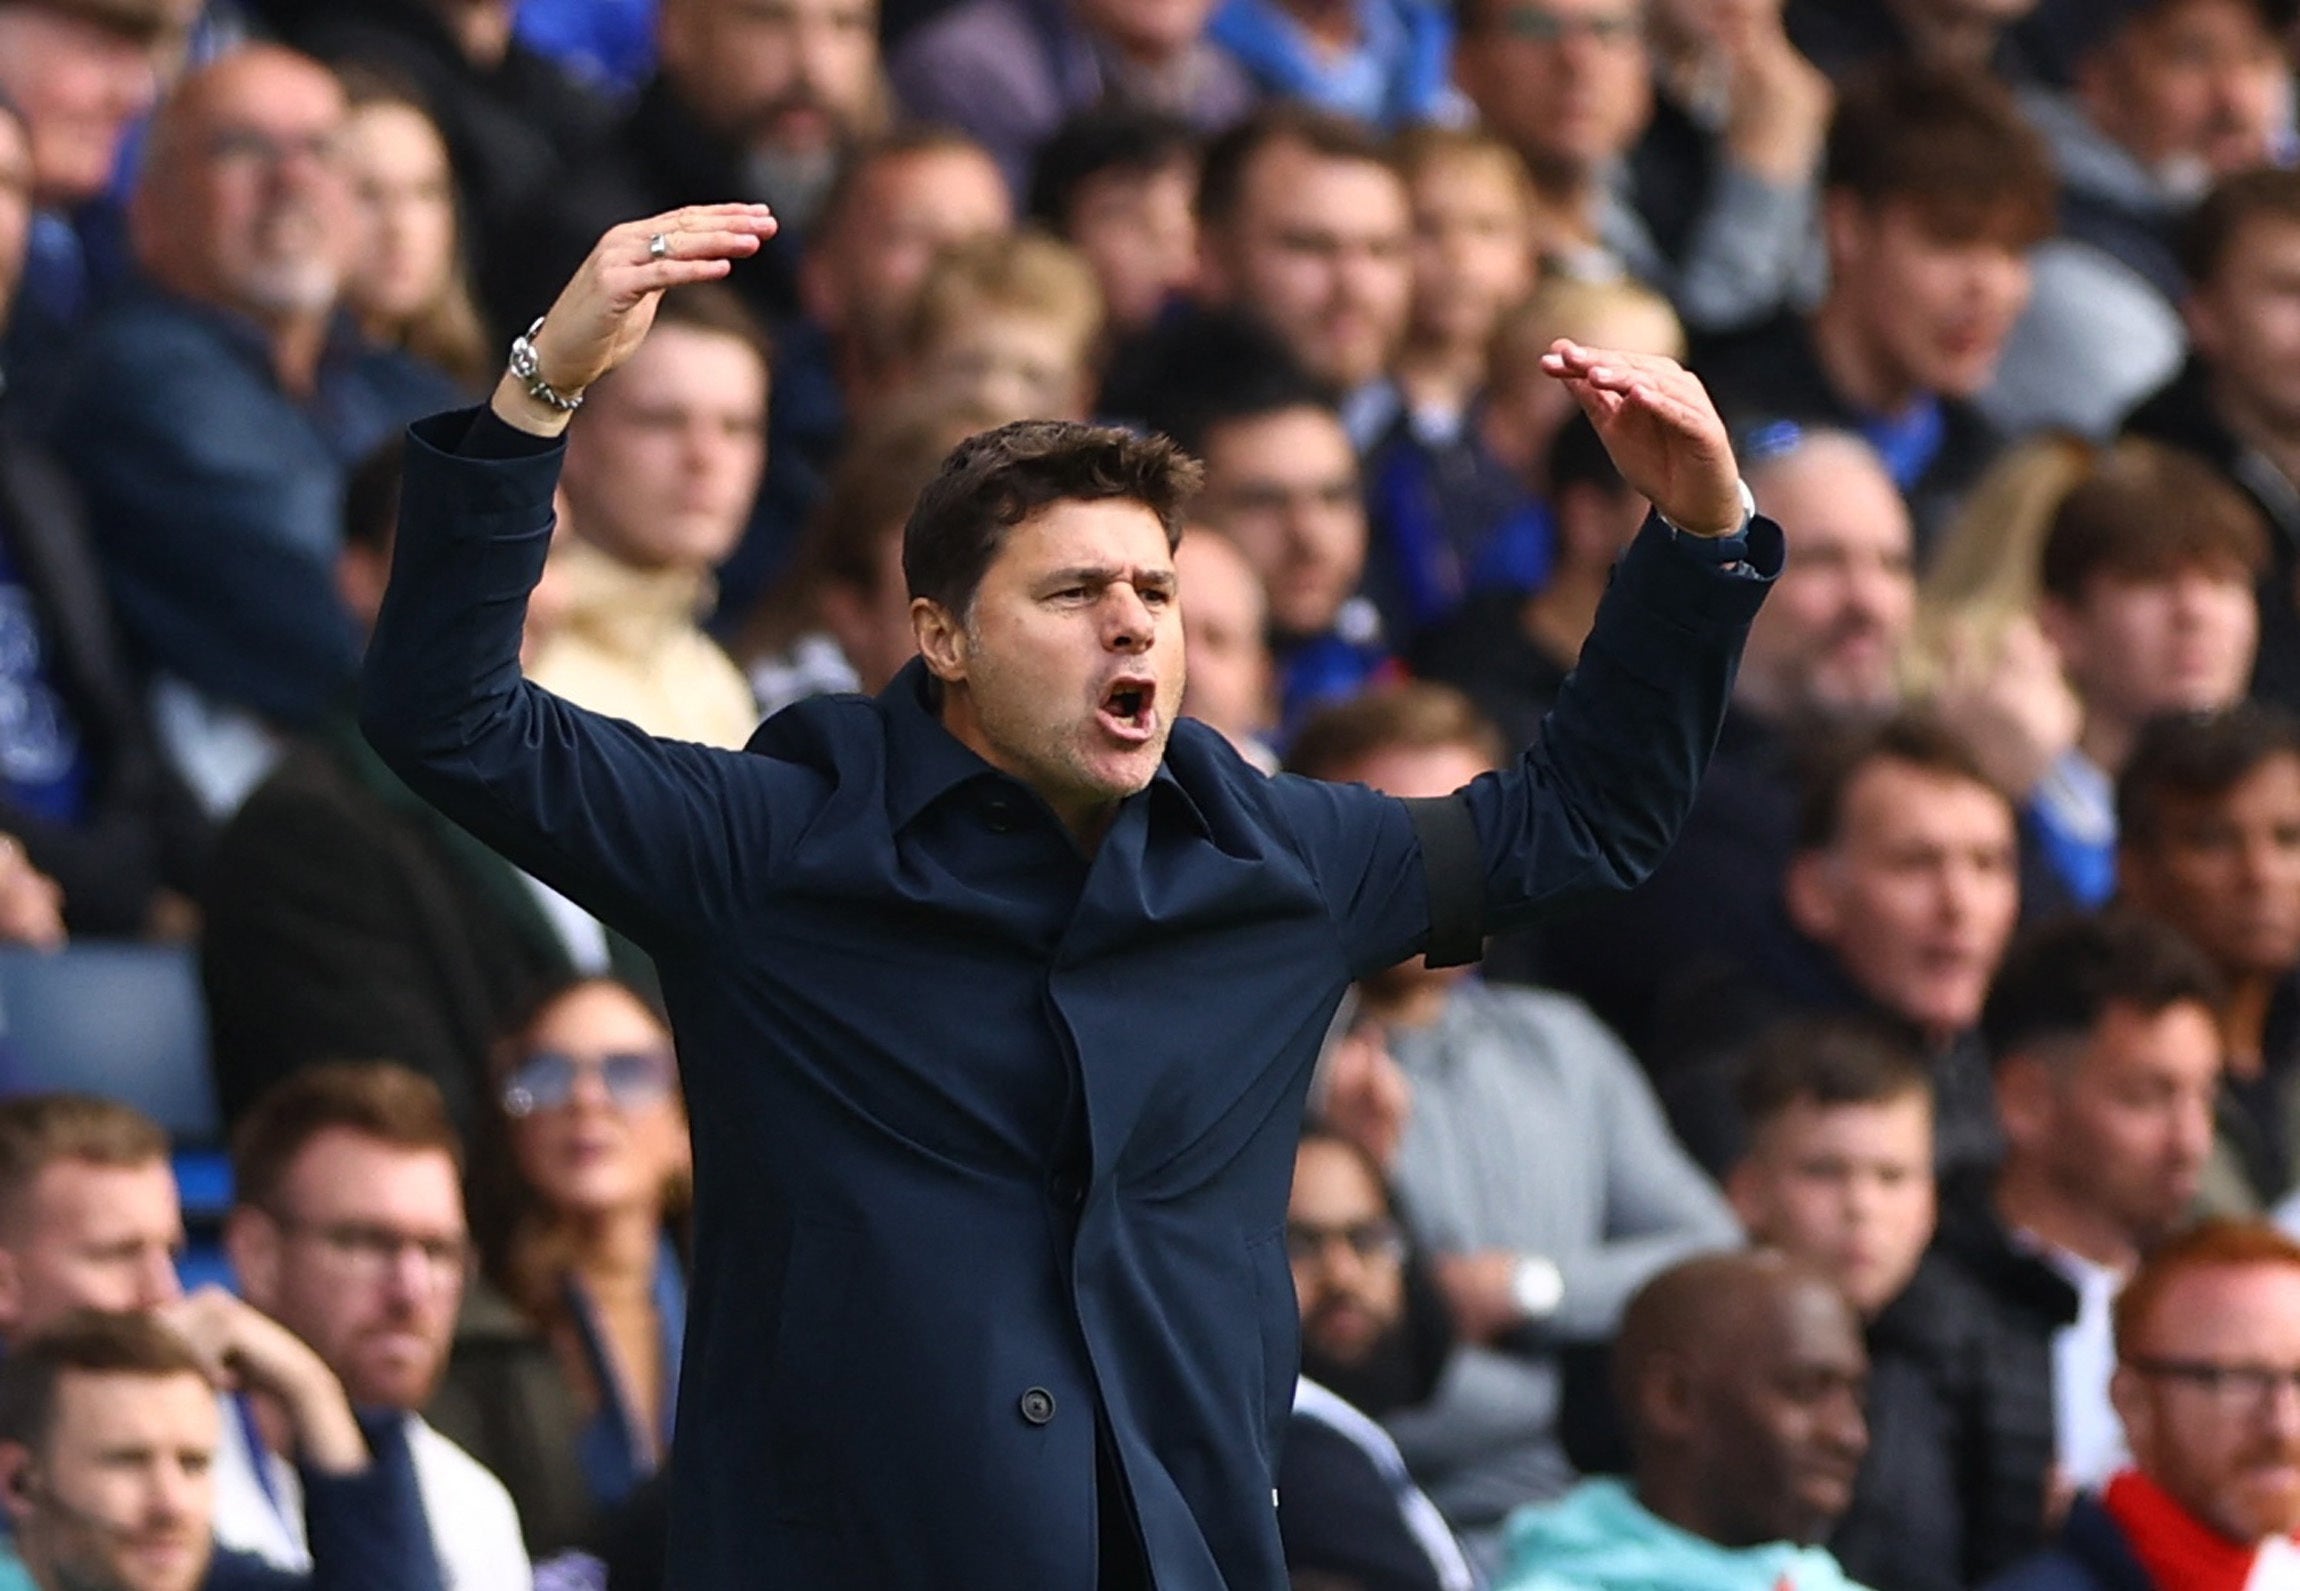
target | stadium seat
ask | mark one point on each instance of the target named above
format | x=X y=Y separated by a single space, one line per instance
x=125 y=1021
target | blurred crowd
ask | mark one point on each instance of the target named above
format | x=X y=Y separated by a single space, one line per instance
x=1889 y=1193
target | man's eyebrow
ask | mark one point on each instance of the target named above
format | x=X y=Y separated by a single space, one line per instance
x=1105 y=574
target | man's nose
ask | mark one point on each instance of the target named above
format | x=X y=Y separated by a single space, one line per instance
x=1128 y=622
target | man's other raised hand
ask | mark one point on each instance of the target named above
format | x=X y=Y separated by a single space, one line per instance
x=602 y=315
x=1655 y=418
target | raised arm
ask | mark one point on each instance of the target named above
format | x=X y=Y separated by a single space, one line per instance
x=1597 y=801
x=656 y=837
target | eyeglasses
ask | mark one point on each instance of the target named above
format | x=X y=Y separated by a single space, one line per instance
x=252 y=146
x=1370 y=1241
x=2235 y=1388
x=546 y=1079
x=371 y=1250
x=1529 y=25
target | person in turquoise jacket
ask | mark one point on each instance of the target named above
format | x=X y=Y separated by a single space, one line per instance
x=1741 y=1378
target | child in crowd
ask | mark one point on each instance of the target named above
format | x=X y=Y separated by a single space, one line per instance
x=1120 y=185
x=1473 y=262
x=1009 y=324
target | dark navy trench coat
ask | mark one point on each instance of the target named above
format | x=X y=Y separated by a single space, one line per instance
x=992 y=1138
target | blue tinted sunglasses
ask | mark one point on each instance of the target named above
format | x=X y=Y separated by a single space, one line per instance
x=546 y=1079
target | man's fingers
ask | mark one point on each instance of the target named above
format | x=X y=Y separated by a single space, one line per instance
x=698 y=244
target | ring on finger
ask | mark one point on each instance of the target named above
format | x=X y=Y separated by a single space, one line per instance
x=659 y=246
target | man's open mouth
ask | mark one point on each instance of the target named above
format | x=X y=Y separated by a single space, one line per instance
x=1128 y=709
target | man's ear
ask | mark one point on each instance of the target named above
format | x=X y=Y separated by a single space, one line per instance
x=16 y=1481
x=2063 y=630
x=252 y=1244
x=1811 y=902
x=1666 y=1399
x=11 y=1292
x=1745 y=1191
x=1846 y=222
x=941 y=639
x=2025 y=1093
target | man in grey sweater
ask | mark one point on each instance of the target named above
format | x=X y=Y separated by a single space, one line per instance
x=1535 y=1164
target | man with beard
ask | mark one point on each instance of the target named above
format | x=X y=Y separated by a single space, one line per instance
x=2106 y=1042
x=348 y=1229
x=108 y=1436
x=1535 y=1161
x=1741 y=1377
x=211 y=417
x=2207 y=1372
x=1374 y=1338
x=1824 y=654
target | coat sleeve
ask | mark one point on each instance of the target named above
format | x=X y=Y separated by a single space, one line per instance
x=660 y=839
x=1596 y=801
x=368 y=1531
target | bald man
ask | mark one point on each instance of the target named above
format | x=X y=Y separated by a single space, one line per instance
x=1741 y=1378
x=210 y=416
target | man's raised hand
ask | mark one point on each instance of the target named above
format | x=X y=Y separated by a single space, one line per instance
x=603 y=314
x=1657 y=422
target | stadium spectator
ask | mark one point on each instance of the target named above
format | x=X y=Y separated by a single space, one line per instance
x=658 y=485
x=347 y=1228
x=1282 y=483
x=1741 y=1376
x=2207 y=1346
x=1387 y=63
x=2105 y=1038
x=1510 y=653
x=1535 y=1161
x=1121 y=187
x=1935 y=191
x=96 y=837
x=1009 y=72
x=1569 y=83
x=2147 y=577
x=1839 y=1174
x=1011 y=325
x=89 y=1217
x=1821 y=660
x=747 y=101
x=1845 y=37
x=1897 y=903
x=2236 y=401
x=407 y=284
x=1225 y=622
x=518 y=126
x=2208 y=841
x=210 y=417
x=1304 y=224
x=840 y=619
x=566 y=1362
x=341 y=918
x=2169 y=95
x=108 y=1432
x=1450 y=518
x=1347 y=1506
x=899 y=202
x=79 y=77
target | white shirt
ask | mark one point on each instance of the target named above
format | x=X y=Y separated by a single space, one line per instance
x=474 y=1527
x=2087 y=1432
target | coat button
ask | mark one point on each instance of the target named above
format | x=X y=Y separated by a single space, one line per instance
x=1038 y=1405
x=1065 y=1190
x=998 y=815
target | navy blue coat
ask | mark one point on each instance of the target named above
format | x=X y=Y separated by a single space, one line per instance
x=992 y=1138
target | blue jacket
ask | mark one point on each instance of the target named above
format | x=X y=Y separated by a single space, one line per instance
x=216 y=499
x=993 y=1138
x=2091 y=1554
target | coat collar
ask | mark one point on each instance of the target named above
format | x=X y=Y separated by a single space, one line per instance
x=925 y=761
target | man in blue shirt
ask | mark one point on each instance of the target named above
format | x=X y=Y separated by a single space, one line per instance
x=998 y=994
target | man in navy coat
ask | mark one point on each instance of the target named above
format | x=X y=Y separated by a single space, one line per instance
x=997 y=995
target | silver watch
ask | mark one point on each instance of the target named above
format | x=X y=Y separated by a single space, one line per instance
x=529 y=370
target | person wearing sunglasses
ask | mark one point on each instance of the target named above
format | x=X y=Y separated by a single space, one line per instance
x=566 y=1362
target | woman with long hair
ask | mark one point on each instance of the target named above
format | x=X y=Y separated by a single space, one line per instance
x=566 y=1368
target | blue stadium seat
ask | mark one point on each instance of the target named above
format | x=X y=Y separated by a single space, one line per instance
x=125 y=1021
